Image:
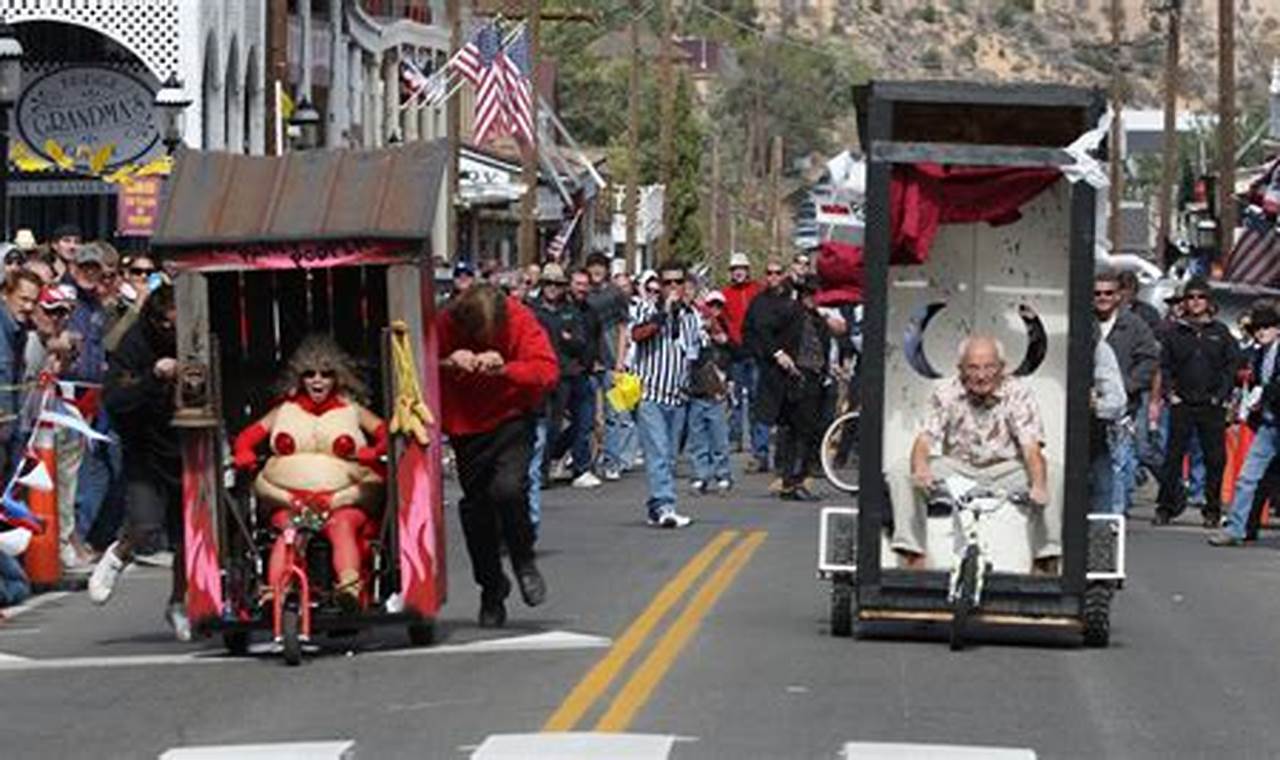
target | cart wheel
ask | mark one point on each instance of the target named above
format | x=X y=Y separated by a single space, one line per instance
x=1097 y=615
x=290 y=632
x=842 y=605
x=963 y=604
x=236 y=642
x=422 y=634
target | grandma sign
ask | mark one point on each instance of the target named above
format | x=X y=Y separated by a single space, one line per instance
x=82 y=110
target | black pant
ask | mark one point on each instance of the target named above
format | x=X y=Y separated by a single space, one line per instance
x=493 y=469
x=1268 y=491
x=801 y=417
x=1209 y=423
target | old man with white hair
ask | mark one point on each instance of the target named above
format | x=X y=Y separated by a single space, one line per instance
x=983 y=425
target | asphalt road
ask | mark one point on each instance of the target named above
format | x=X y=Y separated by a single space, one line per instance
x=710 y=642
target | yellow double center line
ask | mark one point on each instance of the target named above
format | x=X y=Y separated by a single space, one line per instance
x=636 y=692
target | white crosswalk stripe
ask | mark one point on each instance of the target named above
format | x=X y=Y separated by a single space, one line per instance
x=903 y=751
x=575 y=746
x=330 y=750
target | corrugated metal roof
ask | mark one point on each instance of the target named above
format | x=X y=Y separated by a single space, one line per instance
x=224 y=199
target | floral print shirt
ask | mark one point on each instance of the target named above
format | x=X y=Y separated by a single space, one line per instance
x=982 y=434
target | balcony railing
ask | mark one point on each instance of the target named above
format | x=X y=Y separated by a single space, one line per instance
x=416 y=10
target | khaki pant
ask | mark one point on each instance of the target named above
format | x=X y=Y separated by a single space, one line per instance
x=909 y=514
x=69 y=448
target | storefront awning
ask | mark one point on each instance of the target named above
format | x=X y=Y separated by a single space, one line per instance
x=226 y=200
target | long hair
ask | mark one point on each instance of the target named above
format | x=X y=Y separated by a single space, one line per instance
x=480 y=313
x=320 y=352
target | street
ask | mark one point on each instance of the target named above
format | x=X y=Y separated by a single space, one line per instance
x=712 y=641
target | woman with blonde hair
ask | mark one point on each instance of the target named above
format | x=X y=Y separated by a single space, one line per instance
x=326 y=451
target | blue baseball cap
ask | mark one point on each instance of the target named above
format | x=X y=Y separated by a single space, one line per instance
x=463 y=268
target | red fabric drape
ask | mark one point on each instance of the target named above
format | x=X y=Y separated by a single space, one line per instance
x=924 y=196
x=839 y=267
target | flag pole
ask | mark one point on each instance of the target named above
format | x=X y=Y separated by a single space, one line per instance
x=528 y=240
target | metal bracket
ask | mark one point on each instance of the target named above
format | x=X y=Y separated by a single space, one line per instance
x=826 y=568
x=1119 y=531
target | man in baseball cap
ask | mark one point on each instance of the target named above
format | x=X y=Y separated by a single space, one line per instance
x=464 y=275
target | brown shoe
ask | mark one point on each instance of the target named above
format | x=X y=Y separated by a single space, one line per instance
x=908 y=560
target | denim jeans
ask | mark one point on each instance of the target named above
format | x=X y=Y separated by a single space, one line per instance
x=708 y=445
x=1195 y=455
x=1124 y=458
x=621 y=443
x=1261 y=452
x=538 y=450
x=745 y=377
x=581 y=408
x=659 y=424
x=1101 y=490
x=14 y=587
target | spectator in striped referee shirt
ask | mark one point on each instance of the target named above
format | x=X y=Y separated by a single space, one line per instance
x=668 y=336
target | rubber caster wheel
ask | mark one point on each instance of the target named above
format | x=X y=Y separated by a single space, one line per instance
x=422 y=634
x=236 y=642
x=291 y=635
x=1096 y=616
x=842 y=606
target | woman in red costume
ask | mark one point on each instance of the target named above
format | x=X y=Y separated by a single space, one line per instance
x=326 y=451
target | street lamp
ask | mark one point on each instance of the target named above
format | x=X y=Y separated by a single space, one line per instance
x=10 y=89
x=306 y=120
x=172 y=103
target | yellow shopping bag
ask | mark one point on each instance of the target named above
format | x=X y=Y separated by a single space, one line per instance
x=625 y=393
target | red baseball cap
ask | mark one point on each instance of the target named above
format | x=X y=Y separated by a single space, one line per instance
x=53 y=297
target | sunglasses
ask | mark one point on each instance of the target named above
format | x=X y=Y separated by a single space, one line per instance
x=1107 y=293
x=774 y=272
x=142 y=271
x=327 y=374
x=1195 y=297
x=672 y=280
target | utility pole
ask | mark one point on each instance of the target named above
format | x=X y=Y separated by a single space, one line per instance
x=1117 y=128
x=1226 y=126
x=529 y=203
x=633 y=138
x=453 y=129
x=713 y=226
x=775 y=197
x=666 y=129
x=1169 y=168
x=277 y=66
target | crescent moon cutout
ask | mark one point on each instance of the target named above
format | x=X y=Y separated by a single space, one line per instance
x=1037 y=341
x=913 y=338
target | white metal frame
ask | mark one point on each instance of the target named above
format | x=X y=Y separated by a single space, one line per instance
x=825 y=569
x=1121 y=537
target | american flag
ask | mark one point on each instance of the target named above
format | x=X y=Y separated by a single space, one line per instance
x=491 y=98
x=1256 y=258
x=558 y=244
x=413 y=81
x=468 y=61
x=515 y=62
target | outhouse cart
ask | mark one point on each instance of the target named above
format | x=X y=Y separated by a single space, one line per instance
x=981 y=216
x=270 y=250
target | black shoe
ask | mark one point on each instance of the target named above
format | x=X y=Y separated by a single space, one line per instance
x=493 y=613
x=1211 y=520
x=533 y=589
x=798 y=493
x=1162 y=518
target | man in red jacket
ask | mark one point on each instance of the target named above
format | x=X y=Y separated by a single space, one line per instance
x=496 y=365
x=738 y=294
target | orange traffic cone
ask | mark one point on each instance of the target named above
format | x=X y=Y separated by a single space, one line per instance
x=42 y=560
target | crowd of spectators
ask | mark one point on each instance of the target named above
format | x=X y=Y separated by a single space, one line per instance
x=756 y=364
x=68 y=306
x=1188 y=378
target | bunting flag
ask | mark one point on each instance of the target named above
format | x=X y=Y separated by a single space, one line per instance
x=34 y=475
x=517 y=78
x=412 y=81
x=73 y=423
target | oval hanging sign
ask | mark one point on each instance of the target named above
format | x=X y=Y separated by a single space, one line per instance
x=94 y=117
